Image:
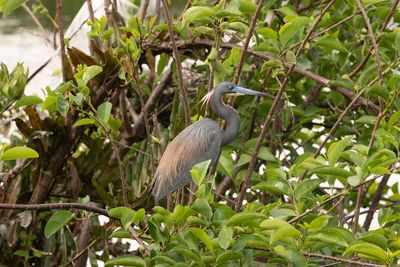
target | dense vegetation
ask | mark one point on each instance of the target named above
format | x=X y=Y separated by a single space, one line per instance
x=300 y=186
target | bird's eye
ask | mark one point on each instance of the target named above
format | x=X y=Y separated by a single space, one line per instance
x=231 y=87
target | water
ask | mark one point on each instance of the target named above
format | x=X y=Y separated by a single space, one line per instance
x=22 y=41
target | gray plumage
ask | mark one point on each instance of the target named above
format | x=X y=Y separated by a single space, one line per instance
x=198 y=142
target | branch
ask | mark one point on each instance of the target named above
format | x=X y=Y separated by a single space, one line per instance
x=383 y=27
x=334 y=197
x=60 y=206
x=178 y=66
x=373 y=39
x=274 y=106
x=138 y=128
x=247 y=41
x=61 y=36
x=202 y=43
x=336 y=259
x=375 y=201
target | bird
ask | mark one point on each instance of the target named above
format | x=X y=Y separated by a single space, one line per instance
x=199 y=141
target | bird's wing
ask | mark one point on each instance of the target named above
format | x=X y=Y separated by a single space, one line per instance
x=199 y=142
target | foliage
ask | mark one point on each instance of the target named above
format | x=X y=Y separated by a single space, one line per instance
x=327 y=156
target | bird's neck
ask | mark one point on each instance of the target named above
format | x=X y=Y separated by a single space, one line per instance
x=228 y=114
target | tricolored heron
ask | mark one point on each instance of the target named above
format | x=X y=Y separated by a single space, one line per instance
x=198 y=142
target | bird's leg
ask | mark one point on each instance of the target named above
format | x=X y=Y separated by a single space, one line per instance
x=192 y=190
x=169 y=202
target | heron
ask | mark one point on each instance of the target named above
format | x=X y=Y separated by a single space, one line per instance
x=199 y=142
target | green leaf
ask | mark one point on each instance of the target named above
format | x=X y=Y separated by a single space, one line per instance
x=50 y=102
x=305 y=187
x=12 y=5
x=267 y=33
x=394 y=118
x=57 y=221
x=243 y=217
x=377 y=90
x=328 y=170
x=273 y=224
x=366 y=119
x=381 y=158
x=201 y=206
x=195 y=13
x=19 y=152
x=188 y=254
x=376 y=239
x=62 y=106
x=372 y=2
x=117 y=212
x=202 y=235
x=139 y=215
x=247 y=6
x=225 y=237
x=225 y=163
x=285 y=232
x=121 y=233
x=276 y=186
x=329 y=237
x=354 y=180
x=84 y=121
x=292 y=254
x=127 y=218
x=221 y=216
x=291 y=28
x=367 y=251
x=155 y=232
x=397 y=42
x=104 y=111
x=265 y=154
x=318 y=223
x=199 y=171
x=91 y=72
x=28 y=100
x=331 y=43
x=181 y=214
x=342 y=82
x=336 y=149
x=126 y=260
x=228 y=256
x=159 y=259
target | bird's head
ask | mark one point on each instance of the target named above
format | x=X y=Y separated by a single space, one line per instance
x=228 y=88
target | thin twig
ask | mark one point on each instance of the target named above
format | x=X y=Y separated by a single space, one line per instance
x=318 y=206
x=144 y=6
x=247 y=41
x=338 y=121
x=38 y=24
x=375 y=201
x=383 y=27
x=274 y=106
x=146 y=123
x=124 y=183
x=336 y=196
x=360 y=193
x=49 y=206
x=315 y=35
x=60 y=30
x=373 y=39
x=182 y=89
x=90 y=9
x=326 y=257
x=164 y=47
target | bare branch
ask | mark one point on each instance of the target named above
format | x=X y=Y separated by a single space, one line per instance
x=50 y=206
x=182 y=89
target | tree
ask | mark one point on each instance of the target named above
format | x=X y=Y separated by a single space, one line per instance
x=290 y=190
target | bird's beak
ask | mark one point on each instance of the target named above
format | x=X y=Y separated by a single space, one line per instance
x=244 y=91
